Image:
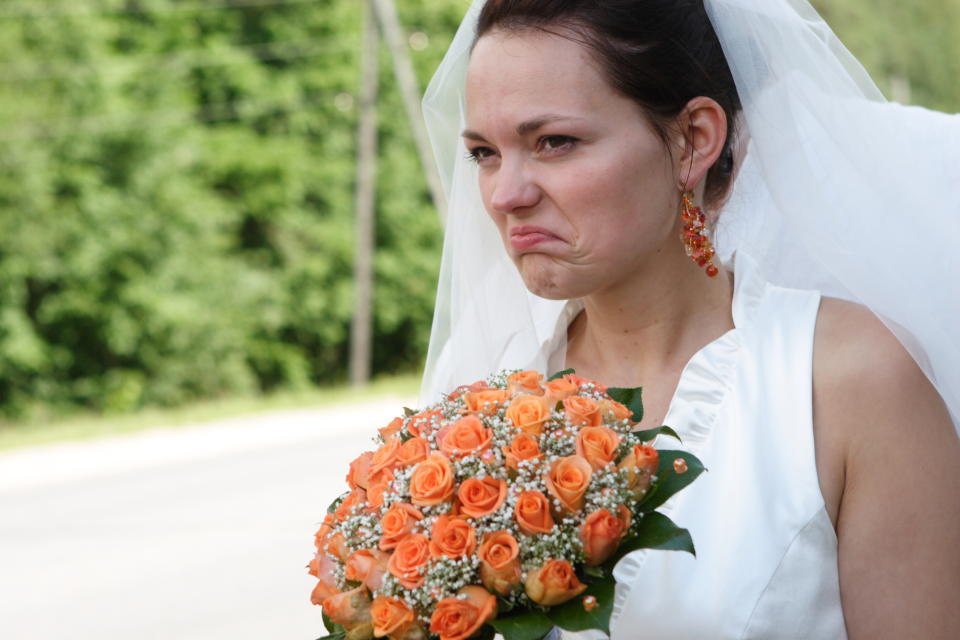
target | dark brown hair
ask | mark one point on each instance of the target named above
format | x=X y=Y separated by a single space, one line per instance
x=659 y=53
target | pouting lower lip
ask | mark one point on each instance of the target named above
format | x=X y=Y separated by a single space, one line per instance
x=521 y=241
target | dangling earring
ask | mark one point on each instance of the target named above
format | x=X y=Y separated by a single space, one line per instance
x=694 y=234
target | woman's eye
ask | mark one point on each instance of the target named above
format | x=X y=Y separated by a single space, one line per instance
x=479 y=154
x=550 y=144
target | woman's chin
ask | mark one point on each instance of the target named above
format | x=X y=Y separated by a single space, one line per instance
x=548 y=283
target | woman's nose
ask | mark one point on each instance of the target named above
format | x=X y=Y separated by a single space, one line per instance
x=513 y=191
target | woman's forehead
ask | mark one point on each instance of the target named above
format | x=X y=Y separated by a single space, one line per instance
x=525 y=74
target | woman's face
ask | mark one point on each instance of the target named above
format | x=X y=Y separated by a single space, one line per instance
x=579 y=184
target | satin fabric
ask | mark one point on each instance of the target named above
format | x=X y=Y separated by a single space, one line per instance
x=766 y=564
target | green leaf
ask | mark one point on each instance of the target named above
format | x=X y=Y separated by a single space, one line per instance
x=572 y=615
x=597 y=573
x=527 y=625
x=407 y=412
x=650 y=434
x=560 y=374
x=630 y=398
x=486 y=632
x=655 y=531
x=340 y=635
x=669 y=481
x=336 y=503
x=336 y=630
x=328 y=623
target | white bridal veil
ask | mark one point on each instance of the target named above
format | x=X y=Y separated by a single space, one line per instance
x=839 y=190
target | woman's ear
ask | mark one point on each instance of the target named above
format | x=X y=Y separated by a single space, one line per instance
x=701 y=134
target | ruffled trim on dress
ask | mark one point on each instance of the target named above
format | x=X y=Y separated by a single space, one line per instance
x=703 y=386
x=556 y=345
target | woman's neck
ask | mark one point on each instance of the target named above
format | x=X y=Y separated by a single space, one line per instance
x=649 y=325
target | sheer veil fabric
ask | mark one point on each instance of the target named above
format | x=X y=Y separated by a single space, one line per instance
x=837 y=190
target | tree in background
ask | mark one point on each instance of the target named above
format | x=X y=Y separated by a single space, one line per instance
x=177 y=183
x=176 y=194
x=912 y=49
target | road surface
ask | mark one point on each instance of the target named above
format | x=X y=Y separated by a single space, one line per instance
x=188 y=533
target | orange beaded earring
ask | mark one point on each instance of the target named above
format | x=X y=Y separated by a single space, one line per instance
x=694 y=234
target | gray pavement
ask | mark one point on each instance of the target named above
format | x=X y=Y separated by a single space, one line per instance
x=191 y=533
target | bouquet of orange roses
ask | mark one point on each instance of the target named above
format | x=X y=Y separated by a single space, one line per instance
x=501 y=509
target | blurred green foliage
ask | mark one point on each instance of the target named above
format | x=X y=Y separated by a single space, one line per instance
x=176 y=200
x=176 y=189
x=914 y=44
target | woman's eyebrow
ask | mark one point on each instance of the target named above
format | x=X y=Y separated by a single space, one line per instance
x=529 y=126
x=525 y=127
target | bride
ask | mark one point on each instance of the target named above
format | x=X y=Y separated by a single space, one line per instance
x=802 y=339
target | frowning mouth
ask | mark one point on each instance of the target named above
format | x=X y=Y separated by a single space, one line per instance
x=526 y=237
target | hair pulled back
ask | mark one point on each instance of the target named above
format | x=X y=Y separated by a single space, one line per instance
x=659 y=53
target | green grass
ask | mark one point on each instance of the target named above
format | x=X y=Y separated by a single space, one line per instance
x=90 y=425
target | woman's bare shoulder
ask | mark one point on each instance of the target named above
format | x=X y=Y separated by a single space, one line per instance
x=868 y=394
x=855 y=353
x=887 y=452
x=865 y=382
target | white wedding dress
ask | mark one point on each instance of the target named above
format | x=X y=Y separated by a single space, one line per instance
x=837 y=192
x=766 y=564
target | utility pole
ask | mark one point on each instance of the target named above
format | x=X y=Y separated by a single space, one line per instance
x=361 y=330
x=406 y=79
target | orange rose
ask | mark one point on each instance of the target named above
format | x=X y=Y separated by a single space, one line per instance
x=525 y=382
x=337 y=546
x=321 y=592
x=522 y=447
x=378 y=485
x=601 y=533
x=528 y=413
x=412 y=451
x=481 y=496
x=391 y=429
x=452 y=537
x=459 y=618
x=424 y=422
x=641 y=465
x=367 y=566
x=557 y=390
x=408 y=559
x=350 y=609
x=499 y=562
x=479 y=385
x=533 y=513
x=397 y=523
x=391 y=616
x=321 y=568
x=385 y=457
x=598 y=445
x=464 y=437
x=613 y=410
x=357 y=498
x=582 y=411
x=413 y=632
x=431 y=481
x=486 y=402
x=580 y=382
x=567 y=481
x=554 y=583
x=359 y=471
x=323 y=533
